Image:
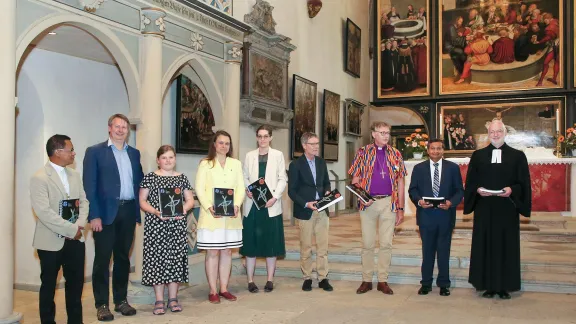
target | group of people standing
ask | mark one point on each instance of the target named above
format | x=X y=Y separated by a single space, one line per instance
x=113 y=190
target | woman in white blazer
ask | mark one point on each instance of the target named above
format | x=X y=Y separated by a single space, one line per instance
x=263 y=231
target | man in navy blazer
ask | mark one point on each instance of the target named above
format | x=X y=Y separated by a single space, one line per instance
x=307 y=182
x=436 y=178
x=112 y=175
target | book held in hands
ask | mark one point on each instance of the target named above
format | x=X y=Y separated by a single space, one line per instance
x=69 y=209
x=362 y=194
x=493 y=192
x=435 y=201
x=223 y=202
x=328 y=200
x=171 y=202
x=260 y=193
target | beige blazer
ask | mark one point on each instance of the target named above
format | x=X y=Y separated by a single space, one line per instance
x=46 y=191
x=275 y=176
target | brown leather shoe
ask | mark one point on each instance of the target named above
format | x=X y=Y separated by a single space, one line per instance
x=364 y=287
x=383 y=287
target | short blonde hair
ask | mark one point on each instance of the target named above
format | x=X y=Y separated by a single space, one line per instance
x=378 y=124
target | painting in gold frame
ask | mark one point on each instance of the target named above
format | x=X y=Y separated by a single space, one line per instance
x=402 y=51
x=489 y=46
x=530 y=122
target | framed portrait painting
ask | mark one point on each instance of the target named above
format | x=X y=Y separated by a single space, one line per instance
x=194 y=118
x=330 y=125
x=531 y=122
x=353 y=114
x=304 y=105
x=352 y=55
x=487 y=46
x=402 y=60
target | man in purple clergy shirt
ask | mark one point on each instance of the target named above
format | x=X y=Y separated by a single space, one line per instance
x=379 y=169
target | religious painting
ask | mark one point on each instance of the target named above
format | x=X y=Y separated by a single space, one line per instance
x=353 y=114
x=488 y=46
x=330 y=125
x=304 y=105
x=529 y=123
x=194 y=118
x=268 y=78
x=353 y=48
x=402 y=58
x=222 y=5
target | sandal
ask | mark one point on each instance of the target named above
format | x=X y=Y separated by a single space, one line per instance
x=159 y=308
x=176 y=307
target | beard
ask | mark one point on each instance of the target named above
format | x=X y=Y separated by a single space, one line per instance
x=497 y=143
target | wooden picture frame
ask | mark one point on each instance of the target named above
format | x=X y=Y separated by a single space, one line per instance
x=353 y=48
x=481 y=51
x=194 y=118
x=353 y=111
x=304 y=104
x=530 y=122
x=402 y=49
x=330 y=126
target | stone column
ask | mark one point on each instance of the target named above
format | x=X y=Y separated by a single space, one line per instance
x=7 y=133
x=149 y=131
x=231 y=114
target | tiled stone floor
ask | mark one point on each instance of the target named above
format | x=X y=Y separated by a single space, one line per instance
x=288 y=304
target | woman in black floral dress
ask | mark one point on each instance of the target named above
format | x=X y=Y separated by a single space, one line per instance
x=165 y=249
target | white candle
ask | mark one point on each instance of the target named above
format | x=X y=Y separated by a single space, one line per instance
x=558 y=120
x=441 y=125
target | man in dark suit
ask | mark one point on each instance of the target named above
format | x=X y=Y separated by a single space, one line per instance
x=307 y=182
x=441 y=179
x=112 y=176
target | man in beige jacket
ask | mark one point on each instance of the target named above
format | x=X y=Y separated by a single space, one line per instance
x=59 y=202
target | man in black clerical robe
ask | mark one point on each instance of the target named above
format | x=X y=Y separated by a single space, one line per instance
x=495 y=254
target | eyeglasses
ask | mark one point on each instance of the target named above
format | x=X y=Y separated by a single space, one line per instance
x=65 y=150
x=382 y=133
x=314 y=144
x=498 y=131
x=263 y=136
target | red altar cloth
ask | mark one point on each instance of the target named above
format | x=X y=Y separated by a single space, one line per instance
x=550 y=186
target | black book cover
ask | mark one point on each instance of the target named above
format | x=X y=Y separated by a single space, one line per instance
x=69 y=209
x=328 y=200
x=360 y=193
x=435 y=201
x=223 y=202
x=171 y=202
x=260 y=193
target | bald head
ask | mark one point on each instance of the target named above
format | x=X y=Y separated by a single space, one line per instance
x=497 y=132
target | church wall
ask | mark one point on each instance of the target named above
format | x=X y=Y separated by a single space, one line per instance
x=319 y=57
x=66 y=95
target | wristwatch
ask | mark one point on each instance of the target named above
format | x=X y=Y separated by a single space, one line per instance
x=400 y=208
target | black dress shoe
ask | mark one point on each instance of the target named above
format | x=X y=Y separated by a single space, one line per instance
x=269 y=286
x=307 y=285
x=488 y=294
x=252 y=287
x=444 y=291
x=504 y=295
x=324 y=284
x=424 y=290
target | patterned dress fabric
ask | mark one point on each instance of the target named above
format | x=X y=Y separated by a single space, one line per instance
x=165 y=247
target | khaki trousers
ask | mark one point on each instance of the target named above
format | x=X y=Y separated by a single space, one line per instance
x=378 y=215
x=317 y=226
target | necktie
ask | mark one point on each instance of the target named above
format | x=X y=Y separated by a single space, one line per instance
x=436 y=184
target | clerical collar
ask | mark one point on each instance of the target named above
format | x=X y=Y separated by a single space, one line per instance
x=496 y=156
x=380 y=148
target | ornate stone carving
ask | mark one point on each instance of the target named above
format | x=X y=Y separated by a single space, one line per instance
x=261 y=17
x=233 y=52
x=91 y=5
x=196 y=41
x=152 y=21
x=314 y=7
x=266 y=56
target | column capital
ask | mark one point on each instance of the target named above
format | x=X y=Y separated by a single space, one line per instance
x=233 y=52
x=152 y=21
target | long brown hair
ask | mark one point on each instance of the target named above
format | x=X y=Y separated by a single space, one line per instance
x=212 y=150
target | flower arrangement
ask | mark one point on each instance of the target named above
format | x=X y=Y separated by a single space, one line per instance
x=417 y=142
x=569 y=142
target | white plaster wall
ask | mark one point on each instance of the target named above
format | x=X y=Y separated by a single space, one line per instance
x=319 y=57
x=60 y=94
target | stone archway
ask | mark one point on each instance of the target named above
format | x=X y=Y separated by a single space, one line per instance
x=117 y=49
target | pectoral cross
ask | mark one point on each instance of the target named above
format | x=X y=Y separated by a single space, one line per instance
x=382 y=173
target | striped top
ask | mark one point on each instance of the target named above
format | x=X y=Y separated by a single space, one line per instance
x=363 y=166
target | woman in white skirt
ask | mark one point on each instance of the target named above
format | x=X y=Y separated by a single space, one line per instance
x=218 y=235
